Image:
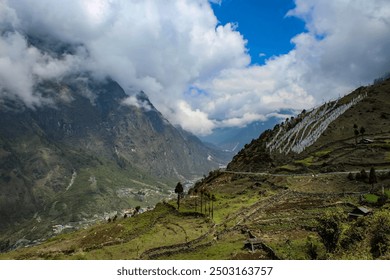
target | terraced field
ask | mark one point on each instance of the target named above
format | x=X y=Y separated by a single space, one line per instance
x=252 y=217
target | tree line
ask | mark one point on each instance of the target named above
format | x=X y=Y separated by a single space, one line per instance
x=204 y=203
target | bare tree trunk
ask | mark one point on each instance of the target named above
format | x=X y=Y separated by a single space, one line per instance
x=178 y=201
x=212 y=209
x=201 y=202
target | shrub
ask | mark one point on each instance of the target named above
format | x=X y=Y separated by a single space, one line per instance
x=311 y=249
x=380 y=241
x=329 y=229
x=363 y=175
x=355 y=233
x=358 y=177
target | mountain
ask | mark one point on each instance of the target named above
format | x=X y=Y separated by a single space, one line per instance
x=284 y=196
x=234 y=138
x=349 y=133
x=89 y=151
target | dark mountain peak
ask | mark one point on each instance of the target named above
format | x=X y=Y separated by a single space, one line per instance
x=142 y=96
x=144 y=101
x=51 y=45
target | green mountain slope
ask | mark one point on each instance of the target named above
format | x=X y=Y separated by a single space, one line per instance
x=324 y=139
x=279 y=215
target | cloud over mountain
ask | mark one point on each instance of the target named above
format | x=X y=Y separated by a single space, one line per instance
x=196 y=72
x=346 y=45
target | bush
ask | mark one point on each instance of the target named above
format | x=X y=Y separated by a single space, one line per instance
x=358 y=177
x=329 y=229
x=380 y=241
x=4 y=245
x=311 y=249
x=363 y=175
x=355 y=233
x=382 y=200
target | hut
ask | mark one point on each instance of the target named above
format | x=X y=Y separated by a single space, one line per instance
x=359 y=211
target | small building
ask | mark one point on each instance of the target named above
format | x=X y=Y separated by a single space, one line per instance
x=359 y=211
x=366 y=141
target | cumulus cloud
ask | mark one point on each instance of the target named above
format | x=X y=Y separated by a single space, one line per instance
x=193 y=120
x=134 y=101
x=157 y=46
x=22 y=66
x=195 y=71
x=346 y=45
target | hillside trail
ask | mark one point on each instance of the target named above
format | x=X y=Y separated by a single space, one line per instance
x=313 y=174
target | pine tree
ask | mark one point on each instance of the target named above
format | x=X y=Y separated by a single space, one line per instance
x=372 y=179
x=196 y=202
x=363 y=175
x=179 y=190
x=362 y=131
x=356 y=135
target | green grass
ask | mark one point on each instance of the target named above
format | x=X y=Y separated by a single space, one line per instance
x=293 y=250
x=371 y=198
x=222 y=249
x=288 y=168
x=306 y=162
x=322 y=153
x=282 y=224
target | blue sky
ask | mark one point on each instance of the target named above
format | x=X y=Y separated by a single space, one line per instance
x=199 y=62
x=263 y=24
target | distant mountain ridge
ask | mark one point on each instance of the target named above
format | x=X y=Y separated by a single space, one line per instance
x=233 y=139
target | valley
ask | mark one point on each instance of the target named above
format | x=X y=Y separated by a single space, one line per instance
x=71 y=164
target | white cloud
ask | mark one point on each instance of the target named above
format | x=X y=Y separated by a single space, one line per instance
x=134 y=101
x=22 y=66
x=158 y=46
x=196 y=72
x=193 y=120
x=346 y=46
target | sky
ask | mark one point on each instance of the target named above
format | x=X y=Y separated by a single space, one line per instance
x=263 y=24
x=203 y=63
